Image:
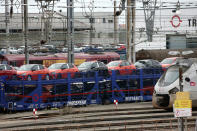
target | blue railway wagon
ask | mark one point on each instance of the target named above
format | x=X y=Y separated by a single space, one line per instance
x=81 y=90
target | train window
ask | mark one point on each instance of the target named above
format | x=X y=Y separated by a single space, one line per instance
x=36 y=62
x=13 y=63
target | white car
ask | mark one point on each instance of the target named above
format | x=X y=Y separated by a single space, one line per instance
x=13 y=50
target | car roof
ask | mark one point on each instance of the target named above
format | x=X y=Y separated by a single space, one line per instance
x=59 y=63
x=32 y=64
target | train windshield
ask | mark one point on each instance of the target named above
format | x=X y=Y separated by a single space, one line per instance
x=171 y=75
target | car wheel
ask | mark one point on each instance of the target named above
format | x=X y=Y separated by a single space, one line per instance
x=47 y=77
x=29 y=78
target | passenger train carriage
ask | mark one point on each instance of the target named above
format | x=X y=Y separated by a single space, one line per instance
x=168 y=84
x=47 y=60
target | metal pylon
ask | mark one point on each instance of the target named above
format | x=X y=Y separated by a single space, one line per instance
x=149 y=13
x=47 y=7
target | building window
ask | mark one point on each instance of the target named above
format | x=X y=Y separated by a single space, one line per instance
x=110 y=21
x=110 y=35
x=93 y=35
x=92 y=20
x=104 y=20
x=99 y=35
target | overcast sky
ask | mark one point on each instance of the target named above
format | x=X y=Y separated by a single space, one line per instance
x=100 y=5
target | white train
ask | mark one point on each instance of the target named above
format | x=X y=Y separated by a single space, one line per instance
x=168 y=84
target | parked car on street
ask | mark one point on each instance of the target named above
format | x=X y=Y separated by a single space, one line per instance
x=91 y=66
x=8 y=71
x=61 y=70
x=32 y=71
x=122 y=67
x=13 y=50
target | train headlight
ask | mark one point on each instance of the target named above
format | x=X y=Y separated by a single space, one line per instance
x=173 y=91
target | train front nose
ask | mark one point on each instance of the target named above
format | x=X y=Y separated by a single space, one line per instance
x=163 y=100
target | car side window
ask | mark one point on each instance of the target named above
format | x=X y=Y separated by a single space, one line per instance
x=156 y=63
x=8 y=67
x=41 y=67
x=35 y=68
x=123 y=64
x=70 y=65
x=101 y=64
x=64 y=66
x=127 y=63
x=94 y=65
x=2 y=67
x=149 y=63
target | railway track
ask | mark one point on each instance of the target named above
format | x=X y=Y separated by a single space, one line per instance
x=128 y=116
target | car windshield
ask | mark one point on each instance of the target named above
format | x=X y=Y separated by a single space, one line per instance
x=140 y=64
x=25 y=68
x=167 y=61
x=86 y=65
x=113 y=63
x=55 y=66
x=171 y=75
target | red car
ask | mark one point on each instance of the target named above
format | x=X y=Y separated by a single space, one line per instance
x=165 y=63
x=123 y=67
x=7 y=70
x=61 y=70
x=32 y=71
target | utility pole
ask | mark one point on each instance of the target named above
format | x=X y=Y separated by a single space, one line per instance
x=26 y=31
x=128 y=31
x=133 y=6
x=115 y=24
x=7 y=17
x=42 y=21
x=70 y=30
x=91 y=28
x=131 y=31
